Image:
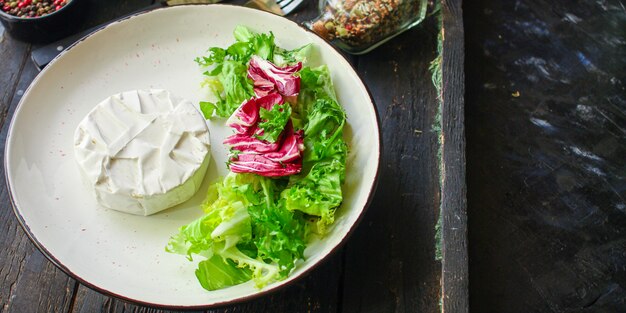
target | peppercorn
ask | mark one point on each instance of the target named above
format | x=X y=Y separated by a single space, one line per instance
x=31 y=8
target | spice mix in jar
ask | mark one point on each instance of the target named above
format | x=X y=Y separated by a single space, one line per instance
x=358 y=26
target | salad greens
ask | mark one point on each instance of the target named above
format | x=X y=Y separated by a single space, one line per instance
x=256 y=227
x=227 y=79
x=274 y=121
x=244 y=226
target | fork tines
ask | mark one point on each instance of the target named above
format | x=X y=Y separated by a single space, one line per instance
x=289 y=5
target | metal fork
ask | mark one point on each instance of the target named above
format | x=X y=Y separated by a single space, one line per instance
x=279 y=7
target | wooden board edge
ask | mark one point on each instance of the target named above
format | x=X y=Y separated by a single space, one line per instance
x=455 y=280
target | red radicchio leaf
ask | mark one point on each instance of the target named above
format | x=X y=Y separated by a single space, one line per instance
x=247 y=114
x=292 y=146
x=266 y=159
x=249 y=143
x=262 y=86
x=272 y=85
x=267 y=102
x=261 y=72
x=259 y=164
x=244 y=117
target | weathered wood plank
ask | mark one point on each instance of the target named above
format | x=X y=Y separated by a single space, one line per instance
x=40 y=286
x=12 y=239
x=13 y=55
x=453 y=198
x=390 y=262
x=89 y=301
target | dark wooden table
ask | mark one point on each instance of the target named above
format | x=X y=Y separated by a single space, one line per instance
x=390 y=262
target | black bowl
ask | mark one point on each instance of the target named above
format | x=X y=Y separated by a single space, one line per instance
x=46 y=28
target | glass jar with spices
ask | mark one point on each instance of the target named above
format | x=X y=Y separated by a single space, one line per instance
x=358 y=26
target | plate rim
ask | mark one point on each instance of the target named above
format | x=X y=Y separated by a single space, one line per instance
x=260 y=293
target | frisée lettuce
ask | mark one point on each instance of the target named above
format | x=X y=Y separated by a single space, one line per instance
x=227 y=77
x=244 y=235
x=256 y=227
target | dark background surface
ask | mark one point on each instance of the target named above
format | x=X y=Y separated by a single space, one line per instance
x=546 y=155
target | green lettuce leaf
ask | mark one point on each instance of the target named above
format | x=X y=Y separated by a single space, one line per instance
x=227 y=68
x=217 y=273
x=323 y=133
x=318 y=192
x=321 y=117
x=284 y=57
x=316 y=83
x=244 y=234
x=278 y=234
x=273 y=121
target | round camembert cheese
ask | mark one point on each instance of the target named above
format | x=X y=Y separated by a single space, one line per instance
x=143 y=151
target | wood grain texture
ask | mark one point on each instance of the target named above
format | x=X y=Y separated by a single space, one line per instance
x=89 y=301
x=453 y=206
x=453 y=198
x=14 y=55
x=390 y=260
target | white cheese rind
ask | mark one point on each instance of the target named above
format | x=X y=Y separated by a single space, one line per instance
x=143 y=151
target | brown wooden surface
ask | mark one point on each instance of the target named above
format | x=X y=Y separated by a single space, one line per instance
x=389 y=263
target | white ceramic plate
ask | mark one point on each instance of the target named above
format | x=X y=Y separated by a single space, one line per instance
x=123 y=255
